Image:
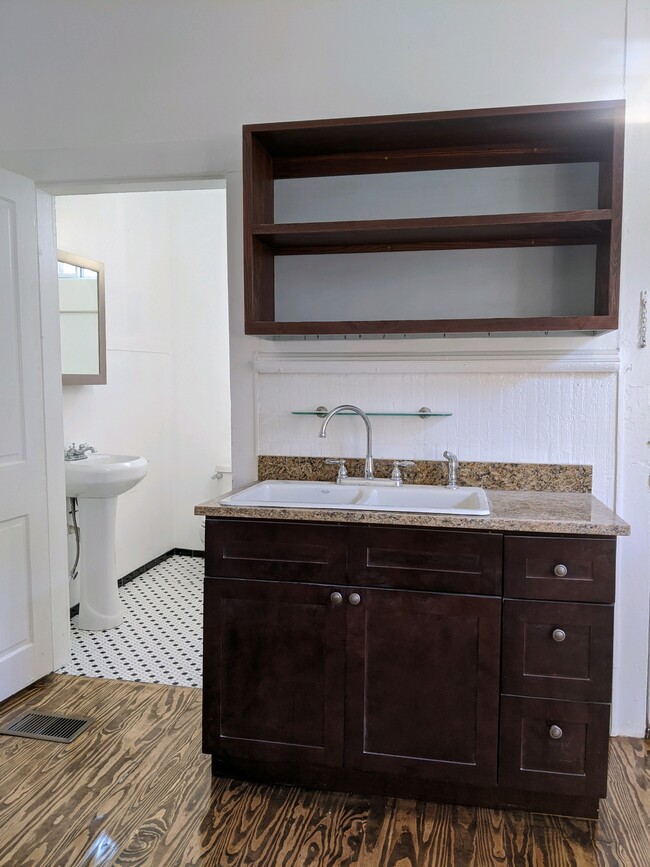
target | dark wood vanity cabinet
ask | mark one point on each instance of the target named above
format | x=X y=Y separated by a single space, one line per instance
x=408 y=673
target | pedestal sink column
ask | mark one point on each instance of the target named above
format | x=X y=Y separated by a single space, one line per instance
x=96 y=482
x=100 y=606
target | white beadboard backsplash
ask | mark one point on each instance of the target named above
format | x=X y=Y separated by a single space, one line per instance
x=565 y=417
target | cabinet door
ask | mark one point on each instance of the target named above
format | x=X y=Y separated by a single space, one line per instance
x=422 y=685
x=274 y=667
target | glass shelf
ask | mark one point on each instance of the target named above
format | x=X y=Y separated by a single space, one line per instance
x=423 y=412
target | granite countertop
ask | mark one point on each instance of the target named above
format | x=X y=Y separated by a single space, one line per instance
x=514 y=511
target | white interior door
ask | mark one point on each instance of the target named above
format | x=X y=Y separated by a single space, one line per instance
x=25 y=590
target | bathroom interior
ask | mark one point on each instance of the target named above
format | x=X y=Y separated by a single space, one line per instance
x=163 y=254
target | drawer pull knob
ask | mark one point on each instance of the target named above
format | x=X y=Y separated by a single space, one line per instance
x=555 y=732
x=559 y=635
x=354 y=599
x=560 y=570
x=336 y=598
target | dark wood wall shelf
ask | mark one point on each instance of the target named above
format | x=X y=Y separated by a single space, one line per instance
x=522 y=136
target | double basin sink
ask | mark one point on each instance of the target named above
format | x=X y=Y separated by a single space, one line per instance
x=428 y=499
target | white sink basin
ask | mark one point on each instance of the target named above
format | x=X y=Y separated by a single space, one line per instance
x=429 y=499
x=302 y=495
x=99 y=476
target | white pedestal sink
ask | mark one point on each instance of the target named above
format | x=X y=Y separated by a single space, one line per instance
x=96 y=482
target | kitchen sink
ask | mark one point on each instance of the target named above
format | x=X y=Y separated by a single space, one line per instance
x=429 y=499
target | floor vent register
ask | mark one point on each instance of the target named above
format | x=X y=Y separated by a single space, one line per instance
x=46 y=727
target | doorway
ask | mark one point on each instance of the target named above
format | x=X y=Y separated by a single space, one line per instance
x=167 y=398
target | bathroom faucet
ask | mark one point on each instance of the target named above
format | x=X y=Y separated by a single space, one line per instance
x=368 y=472
x=78 y=454
x=452 y=481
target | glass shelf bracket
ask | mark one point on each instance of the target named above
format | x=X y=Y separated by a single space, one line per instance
x=423 y=412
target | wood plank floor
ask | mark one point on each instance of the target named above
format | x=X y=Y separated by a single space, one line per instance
x=134 y=789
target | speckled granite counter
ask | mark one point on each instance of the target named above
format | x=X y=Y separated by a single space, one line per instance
x=491 y=475
x=513 y=511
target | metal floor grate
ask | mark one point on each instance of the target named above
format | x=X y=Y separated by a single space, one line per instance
x=46 y=727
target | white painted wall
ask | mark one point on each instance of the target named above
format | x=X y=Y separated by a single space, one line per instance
x=633 y=453
x=201 y=403
x=167 y=355
x=164 y=93
x=164 y=89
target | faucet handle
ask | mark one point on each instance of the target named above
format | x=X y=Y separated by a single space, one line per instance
x=396 y=475
x=343 y=471
x=452 y=481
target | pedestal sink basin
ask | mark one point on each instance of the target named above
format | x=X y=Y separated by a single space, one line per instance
x=96 y=482
x=103 y=475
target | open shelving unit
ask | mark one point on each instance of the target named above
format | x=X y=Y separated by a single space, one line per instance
x=524 y=136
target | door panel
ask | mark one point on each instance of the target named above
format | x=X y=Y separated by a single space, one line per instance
x=273 y=671
x=275 y=550
x=446 y=561
x=423 y=685
x=554 y=746
x=549 y=568
x=557 y=650
x=25 y=623
x=15 y=620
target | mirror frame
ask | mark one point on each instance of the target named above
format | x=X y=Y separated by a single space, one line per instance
x=91 y=265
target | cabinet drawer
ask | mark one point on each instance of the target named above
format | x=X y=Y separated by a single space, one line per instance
x=422 y=559
x=557 y=650
x=575 y=570
x=572 y=763
x=312 y=553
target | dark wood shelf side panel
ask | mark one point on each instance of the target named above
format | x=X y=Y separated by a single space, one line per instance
x=259 y=272
x=497 y=230
x=610 y=195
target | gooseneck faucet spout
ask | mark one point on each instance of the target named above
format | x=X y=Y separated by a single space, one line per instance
x=368 y=472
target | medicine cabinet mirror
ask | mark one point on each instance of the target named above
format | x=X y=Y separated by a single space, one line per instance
x=83 y=327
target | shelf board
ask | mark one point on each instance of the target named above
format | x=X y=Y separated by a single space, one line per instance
x=444 y=233
x=423 y=327
x=570 y=125
x=429 y=159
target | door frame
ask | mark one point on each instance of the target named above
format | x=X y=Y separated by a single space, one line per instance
x=52 y=385
x=53 y=419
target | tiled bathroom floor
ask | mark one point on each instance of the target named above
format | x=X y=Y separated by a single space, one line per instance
x=161 y=637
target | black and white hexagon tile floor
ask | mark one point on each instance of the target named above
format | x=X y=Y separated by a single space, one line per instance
x=160 y=639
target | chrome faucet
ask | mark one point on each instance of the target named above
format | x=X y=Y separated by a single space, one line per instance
x=452 y=481
x=368 y=472
x=74 y=453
